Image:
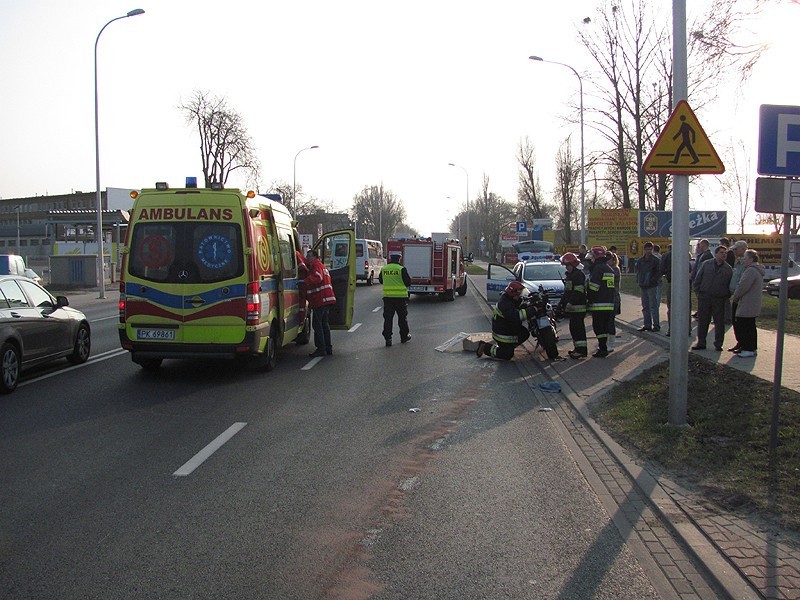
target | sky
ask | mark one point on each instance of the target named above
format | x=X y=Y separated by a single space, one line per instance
x=391 y=93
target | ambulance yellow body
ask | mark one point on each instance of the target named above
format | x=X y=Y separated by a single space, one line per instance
x=214 y=273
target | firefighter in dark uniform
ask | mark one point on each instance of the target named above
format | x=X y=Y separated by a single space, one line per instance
x=396 y=281
x=573 y=303
x=507 y=330
x=600 y=297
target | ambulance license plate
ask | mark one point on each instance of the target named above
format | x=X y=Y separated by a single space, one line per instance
x=155 y=334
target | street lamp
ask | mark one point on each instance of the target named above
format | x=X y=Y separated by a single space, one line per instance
x=469 y=237
x=294 y=178
x=583 y=182
x=99 y=234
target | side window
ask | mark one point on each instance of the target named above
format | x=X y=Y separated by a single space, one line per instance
x=39 y=298
x=373 y=251
x=359 y=250
x=13 y=293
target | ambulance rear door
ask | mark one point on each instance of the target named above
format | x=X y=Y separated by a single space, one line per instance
x=337 y=250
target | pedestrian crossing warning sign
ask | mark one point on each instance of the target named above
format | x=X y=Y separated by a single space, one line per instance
x=683 y=148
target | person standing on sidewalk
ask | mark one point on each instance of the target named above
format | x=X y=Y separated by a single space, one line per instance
x=396 y=281
x=659 y=288
x=747 y=300
x=739 y=249
x=613 y=263
x=712 y=286
x=573 y=302
x=648 y=273
x=600 y=298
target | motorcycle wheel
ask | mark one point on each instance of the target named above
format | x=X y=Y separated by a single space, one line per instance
x=547 y=339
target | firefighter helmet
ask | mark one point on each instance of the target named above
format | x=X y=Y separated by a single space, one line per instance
x=570 y=258
x=598 y=252
x=514 y=287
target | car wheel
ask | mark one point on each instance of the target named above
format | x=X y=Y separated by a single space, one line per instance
x=794 y=292
x=369 y=279
x=83 y=345
x=10 y=365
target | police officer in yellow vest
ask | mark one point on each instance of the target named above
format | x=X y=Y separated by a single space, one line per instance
x=396 y=281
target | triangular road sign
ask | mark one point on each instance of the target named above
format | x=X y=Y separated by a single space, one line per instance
x=683 y=148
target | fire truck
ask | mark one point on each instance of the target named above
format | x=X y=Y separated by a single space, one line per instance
x=435 y=264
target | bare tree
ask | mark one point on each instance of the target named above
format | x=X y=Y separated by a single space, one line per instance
x=567 y=177
x=490 y=215
x=377 y=212
x=306 y=205
x=630 y=42
x=530 y=199
x=737 y=181
x=225 y=145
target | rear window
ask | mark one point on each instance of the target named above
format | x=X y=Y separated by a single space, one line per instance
x=186 y=252
x=534 y=246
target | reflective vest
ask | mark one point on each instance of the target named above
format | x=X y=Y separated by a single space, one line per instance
x=575 y=291
x=393 y=284
x=601 y=288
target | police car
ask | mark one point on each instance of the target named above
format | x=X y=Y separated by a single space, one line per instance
x=532 y=273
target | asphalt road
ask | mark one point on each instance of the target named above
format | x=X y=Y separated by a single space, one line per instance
x=324 y=486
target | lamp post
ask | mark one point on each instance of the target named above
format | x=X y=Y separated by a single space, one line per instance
x=469 y=237
x=99 y=233
x=18 y=248
x=294 y=178
x=583 y=181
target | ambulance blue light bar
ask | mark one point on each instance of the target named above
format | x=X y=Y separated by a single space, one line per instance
x=191 y=182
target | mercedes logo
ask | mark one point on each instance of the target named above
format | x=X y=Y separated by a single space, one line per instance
x=183 y=274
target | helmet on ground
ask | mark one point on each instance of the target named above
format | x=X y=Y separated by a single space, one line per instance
x=514 y=287
x=570 y=258
x=598 y=251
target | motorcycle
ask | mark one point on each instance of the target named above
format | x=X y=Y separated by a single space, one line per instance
x=542 y=321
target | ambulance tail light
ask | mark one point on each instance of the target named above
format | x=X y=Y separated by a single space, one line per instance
x=253 y=304
x=366 y=266
x=122 y=302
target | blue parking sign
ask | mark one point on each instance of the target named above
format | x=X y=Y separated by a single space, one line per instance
x=779 y=140
x=522 y=227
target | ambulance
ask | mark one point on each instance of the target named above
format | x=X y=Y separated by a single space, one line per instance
x=213 y=273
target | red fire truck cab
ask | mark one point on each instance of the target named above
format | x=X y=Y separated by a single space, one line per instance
x=435 y=264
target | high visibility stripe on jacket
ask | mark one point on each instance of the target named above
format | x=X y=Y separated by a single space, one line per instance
x=393 y=284
x=507 y=320
x=319 y=290
x=601 y=287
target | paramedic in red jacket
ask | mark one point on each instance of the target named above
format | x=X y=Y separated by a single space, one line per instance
x=319 y=293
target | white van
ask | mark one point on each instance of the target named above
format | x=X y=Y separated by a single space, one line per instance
x=369 y=260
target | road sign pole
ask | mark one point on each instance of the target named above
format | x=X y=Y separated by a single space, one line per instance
x=782 y=301
x=680 y=303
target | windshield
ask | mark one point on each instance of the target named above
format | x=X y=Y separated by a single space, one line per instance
x=541 y=272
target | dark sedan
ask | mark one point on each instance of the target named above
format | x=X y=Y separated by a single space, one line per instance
x=36 y=327
x=773 y=287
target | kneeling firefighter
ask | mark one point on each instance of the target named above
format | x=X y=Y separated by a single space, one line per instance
x=507 y=330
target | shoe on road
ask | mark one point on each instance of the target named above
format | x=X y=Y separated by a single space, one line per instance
x=481 y=346
x=388 y=342
x=403 y=340
x=600 y=354
x=746 y=354
x=576 y=354
x=317 y=353
x=644 y=329
x=734 y=348
x=698 y=347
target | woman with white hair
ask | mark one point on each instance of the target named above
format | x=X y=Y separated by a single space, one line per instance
x=747 y=297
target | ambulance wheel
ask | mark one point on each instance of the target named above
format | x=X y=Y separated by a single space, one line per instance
x=462 y=291
x=271 y=351
x=369 y=279
x=304 y=336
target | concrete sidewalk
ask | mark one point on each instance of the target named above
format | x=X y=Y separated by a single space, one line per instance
x=744 y=556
